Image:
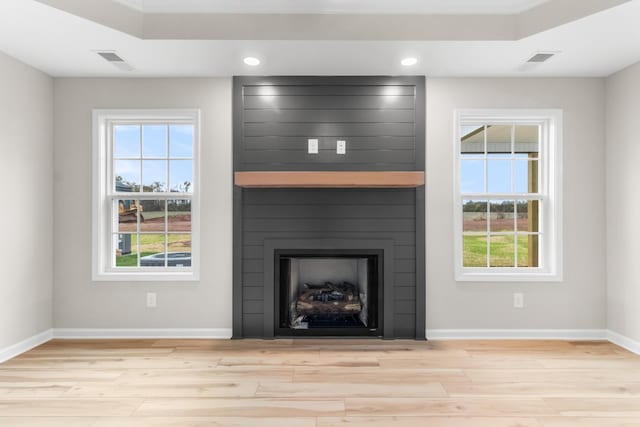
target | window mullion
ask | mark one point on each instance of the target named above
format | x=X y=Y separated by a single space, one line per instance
x=166 y=233
x=138 y=236
x=512 y=159
x=515 y=230
x=111 y=182
x=502 y=196
x=488 y=260
x=167 y=168
x=141 y=164
x=485 y=162
x=111 y=231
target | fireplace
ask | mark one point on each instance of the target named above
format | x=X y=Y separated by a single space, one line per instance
x=331 y=292
x=329 y=242
x=327 y=287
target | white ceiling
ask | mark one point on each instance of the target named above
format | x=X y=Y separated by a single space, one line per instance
x=63 y=44
x=334 y=6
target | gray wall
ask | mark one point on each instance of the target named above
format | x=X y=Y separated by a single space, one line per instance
x=579 y=301
x=623 y=203
x=26 y=173
x=80 y=303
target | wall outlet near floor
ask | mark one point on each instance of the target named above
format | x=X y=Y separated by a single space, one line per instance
x=151 y=300
x=312 y=147
x=518 y=300
x=341 y=147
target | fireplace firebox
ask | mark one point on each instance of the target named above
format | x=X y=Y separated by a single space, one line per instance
x=328 y=292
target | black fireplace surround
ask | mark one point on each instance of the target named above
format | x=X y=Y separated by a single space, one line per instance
x=379 y=255
x=328 y=292
x=343 y=262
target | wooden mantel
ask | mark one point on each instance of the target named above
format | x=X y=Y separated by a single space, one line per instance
x=326 y=179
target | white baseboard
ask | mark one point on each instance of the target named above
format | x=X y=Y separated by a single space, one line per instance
x=225 y=333
x=177 y=333
x=624 y=342
x=516 y=334
x=25 y=345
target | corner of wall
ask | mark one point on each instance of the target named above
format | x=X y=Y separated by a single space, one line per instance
x=26 y=168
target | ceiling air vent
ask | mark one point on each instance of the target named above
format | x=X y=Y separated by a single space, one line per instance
x=110 y=56
x=113 y=58
x=541 y=57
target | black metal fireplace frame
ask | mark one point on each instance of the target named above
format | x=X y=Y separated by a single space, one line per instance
x=335 y=332
x=385 y=249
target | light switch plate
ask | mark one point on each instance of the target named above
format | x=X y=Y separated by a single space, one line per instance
x=341 y=147
x=151 y=299
x=313 y=146
x=518 y=300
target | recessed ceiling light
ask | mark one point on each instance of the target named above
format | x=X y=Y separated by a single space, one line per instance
x=407 y=62
x=250 y=60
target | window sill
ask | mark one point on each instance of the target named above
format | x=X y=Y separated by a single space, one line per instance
x=189 y=276
x=475 y=276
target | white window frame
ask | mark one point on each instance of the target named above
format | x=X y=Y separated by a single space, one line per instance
x=102 y=270
x=550 y=192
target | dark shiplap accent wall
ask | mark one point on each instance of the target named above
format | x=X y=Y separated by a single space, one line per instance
x=382 y=120
x=376 y=116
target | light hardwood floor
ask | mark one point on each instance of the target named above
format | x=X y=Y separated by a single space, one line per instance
x=321 y=383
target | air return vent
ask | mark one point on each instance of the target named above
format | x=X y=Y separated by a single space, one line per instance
x=541 y=57
x=113 y=58
x=110 y=56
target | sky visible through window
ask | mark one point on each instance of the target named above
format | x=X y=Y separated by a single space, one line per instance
x=146 y=159
x=506 y=172
x=472 y=174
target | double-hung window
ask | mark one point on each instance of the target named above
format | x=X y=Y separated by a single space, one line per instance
x=507 y=195
x=146 y=187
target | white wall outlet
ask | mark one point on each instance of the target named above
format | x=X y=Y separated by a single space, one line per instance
x=151 y=300
x=341 y=147
x=518 y=300
x=312 y=146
